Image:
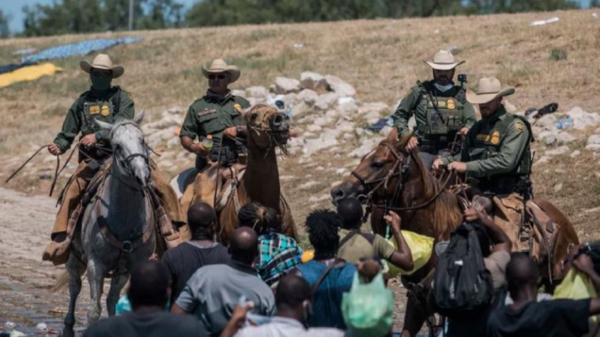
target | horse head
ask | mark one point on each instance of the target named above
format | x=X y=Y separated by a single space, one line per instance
x=267 y=127
x=130 y=154
x=377 y=173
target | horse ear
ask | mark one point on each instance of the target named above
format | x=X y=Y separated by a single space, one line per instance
x=245 y=112
x=104 y=125
x=139 y=118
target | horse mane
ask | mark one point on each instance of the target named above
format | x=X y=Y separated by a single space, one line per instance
x=446 y=213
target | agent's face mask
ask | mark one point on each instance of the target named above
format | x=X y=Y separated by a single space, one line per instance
x=101 y=79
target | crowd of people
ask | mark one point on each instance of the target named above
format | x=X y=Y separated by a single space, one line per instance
x=260 y=285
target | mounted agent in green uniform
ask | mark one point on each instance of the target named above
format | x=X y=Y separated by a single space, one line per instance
x=496 y=150
x=106 y=103
x=217 y=114
x=440 y=109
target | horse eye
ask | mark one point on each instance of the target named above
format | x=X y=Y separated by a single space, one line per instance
x=254 y=117
x=377 y=164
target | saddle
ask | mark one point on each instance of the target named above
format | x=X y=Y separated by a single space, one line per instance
x=528 y=226
x=164 y=226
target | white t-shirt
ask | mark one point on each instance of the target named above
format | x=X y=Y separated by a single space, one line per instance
x=287 y=327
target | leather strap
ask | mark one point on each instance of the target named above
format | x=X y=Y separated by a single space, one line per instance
x=348 y=236
x=322 y=277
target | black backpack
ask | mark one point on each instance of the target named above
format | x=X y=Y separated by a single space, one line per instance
x=462 y=284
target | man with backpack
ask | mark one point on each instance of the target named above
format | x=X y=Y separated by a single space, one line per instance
x=470 y=277
x=356 y=245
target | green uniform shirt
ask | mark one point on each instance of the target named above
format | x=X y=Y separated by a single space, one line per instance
x=418 y=103
x=511 y=144
x=211 y=115
x=89 y=107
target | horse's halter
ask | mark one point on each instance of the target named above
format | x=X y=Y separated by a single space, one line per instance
x=258 y=128
x=399 y=169
x=125 y=162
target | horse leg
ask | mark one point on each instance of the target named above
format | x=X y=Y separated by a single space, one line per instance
x=116 y=285
x=96 y=280
x=415 y=315
x=75 y=269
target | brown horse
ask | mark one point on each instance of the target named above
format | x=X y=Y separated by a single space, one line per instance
x=392 y=178
x=267 y=130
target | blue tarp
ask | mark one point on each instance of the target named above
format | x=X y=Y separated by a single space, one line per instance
x=380 y=124
x=12 y=67
x=77 y=49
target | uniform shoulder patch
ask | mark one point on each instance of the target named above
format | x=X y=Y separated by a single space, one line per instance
x=519 y=126
x=237 y=107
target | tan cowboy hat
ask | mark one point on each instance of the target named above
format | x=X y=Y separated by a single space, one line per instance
x=102 y=61
x=443 y=60
x=220 y=66
x=488 y=88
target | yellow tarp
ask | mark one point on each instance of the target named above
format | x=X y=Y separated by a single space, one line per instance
x=29 y=73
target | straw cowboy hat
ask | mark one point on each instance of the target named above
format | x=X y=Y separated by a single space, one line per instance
x=102 y=61
x=219 y=66
x=488 y=89
x=443 y=60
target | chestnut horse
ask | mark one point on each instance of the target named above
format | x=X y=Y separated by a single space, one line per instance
x=391 y=178
x=268 y=129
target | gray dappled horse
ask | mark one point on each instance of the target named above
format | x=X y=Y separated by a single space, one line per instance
x=117 y=227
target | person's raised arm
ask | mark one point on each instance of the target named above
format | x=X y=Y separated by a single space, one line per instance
x=402 y=257
x=237 y=320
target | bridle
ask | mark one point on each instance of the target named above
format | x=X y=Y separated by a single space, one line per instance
x=258 y=128
x=399 y=169
x=125 y=162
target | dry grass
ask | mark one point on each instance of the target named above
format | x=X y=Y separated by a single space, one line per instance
x=381 y=58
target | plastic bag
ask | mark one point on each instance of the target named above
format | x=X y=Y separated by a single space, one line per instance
x=577 y=286
x=421 y=248
x=368 y=308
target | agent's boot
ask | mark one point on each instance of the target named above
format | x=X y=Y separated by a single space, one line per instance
x=58 y=250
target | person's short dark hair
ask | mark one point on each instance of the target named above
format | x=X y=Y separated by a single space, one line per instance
x=200 y=217
x=351 y=212
x=259 y=217
x=149 y=285
x=244 y=245
x=292 y=291
x=322 y=226
x=521 y=271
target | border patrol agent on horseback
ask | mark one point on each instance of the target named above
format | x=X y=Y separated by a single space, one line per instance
x=440 y=109
x=105 y=103
x=217 y=114
x=497 y=153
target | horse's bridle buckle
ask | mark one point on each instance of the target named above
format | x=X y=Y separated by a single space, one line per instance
x=127 y=247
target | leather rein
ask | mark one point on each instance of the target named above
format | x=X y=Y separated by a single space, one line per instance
x=399 y=169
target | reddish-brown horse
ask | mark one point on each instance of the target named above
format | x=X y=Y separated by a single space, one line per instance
x=392 y=178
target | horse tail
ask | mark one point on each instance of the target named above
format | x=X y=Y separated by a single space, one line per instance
x=63 y=281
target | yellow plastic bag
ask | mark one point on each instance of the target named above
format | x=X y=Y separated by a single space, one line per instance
x=577 y=286
x=421 y=248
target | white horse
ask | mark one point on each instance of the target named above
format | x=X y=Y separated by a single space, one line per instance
x=117 y=229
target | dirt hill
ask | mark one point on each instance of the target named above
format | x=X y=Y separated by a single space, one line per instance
x=557 y=62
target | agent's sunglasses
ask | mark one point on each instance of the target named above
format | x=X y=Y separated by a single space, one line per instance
x=214 y=77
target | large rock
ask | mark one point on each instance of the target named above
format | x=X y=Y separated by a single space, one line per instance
x=583 y=119
x=301 y=109
x=378 y=107
x=566 y=138
x=162 y=124
x=548 y=137
x=593 y=140
x=239 y=93
x=308 y=96
x=313 y=81
x=347 y=105
x=326 y=101
x=314 y=128
x=314 y=145
x=340 y=86
x=345 y=126
x=285 y=85
x=323 y=121
x=290 y=99
x=367 y=146
x=558 y=151
x=547 y=122
x=257 y=92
